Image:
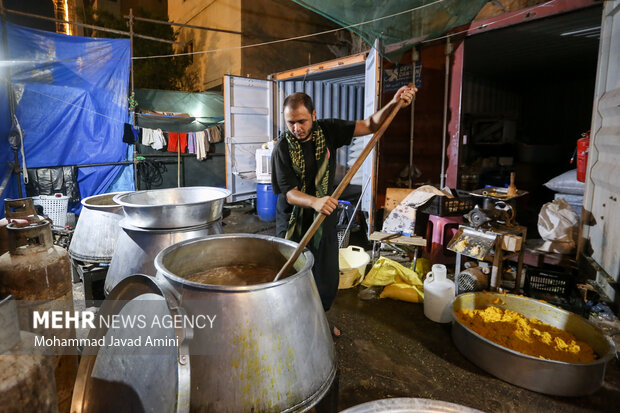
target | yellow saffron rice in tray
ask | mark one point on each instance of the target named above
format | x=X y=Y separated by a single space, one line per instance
x=526 y=335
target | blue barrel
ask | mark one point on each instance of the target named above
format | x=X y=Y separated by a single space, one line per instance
x=266 y=202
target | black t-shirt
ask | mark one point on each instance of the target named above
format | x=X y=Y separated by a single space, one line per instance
x=337 y=133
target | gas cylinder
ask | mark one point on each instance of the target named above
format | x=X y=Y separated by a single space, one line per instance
x=27 y=378
x=583 y=145
x=38 y=274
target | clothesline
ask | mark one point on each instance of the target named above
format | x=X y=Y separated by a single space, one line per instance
x=194 y=142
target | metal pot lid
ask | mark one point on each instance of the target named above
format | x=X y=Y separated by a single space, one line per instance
x=409 y=405
x=117 y=376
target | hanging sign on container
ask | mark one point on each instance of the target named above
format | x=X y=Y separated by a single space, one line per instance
x=398 y=76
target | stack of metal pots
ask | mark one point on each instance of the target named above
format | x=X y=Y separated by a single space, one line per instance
x=156 y=219
x=97 y=230
x=269 y=348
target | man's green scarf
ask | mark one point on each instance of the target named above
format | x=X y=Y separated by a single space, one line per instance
x=321 y=180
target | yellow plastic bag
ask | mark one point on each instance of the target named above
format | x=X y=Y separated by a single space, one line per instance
x=386 y=272
x=401 y=282
x=403 y=292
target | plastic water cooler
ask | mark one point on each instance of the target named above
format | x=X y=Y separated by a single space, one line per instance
x=265 y=198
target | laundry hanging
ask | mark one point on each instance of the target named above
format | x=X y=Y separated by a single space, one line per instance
x=177 y=141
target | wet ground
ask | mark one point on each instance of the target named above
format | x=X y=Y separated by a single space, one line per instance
x=390 y=349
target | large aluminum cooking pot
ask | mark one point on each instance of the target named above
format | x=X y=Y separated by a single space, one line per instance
x=97 y=229
x=544 y=376
x=271 y=349
x=173 y=207
x=409 y=405
x=137 y=248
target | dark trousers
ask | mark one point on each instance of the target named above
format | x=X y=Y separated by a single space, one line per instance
x=325 y=269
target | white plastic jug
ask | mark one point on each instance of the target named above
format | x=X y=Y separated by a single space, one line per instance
x=438 y=295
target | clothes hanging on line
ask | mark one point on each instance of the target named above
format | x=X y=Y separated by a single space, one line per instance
x=176 y=141
x=202 y=145
x=131 y=134
x=153 y=138
x=191 y=142
x=215 y=134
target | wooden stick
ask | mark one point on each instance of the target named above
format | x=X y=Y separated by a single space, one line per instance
x=343 y=184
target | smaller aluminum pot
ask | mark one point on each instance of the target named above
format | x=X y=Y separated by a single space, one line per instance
x=97 y=229
x=173 y=207
x=137 y=248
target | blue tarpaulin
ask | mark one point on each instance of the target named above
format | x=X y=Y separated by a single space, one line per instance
x=71 y=95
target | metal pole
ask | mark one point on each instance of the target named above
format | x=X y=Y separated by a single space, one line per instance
x=131 y=47
x=359 y=201
x=135 y=167
x=414 y=58
x=442 y=177
x=9 y=92
x=178 y=160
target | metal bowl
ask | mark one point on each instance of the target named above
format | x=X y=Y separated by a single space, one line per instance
x=544 y=376
x=409 y=405
x=173 y=207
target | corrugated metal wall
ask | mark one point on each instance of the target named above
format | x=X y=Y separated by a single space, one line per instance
x=485 y=95
x=341 y=98
x=601 y=215
x=333 y=99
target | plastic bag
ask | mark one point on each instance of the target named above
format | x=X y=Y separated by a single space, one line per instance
x=557 y=225
x=403 y=292
x=567 y=183
x=386 y=271
x=401 y=282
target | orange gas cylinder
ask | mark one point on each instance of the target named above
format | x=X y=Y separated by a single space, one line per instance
x=583 y=146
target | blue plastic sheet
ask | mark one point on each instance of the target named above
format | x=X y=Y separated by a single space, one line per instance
x=71 y=102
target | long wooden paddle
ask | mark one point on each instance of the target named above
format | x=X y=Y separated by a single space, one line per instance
x=343 y=184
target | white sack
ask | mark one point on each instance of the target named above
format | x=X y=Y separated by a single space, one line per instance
x=557 y=225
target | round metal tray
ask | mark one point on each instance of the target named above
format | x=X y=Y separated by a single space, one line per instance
x=409 y=405
x=540 y=375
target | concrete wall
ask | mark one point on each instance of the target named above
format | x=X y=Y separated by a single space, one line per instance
x=157 y=8
x=209 y=68
x=260 y=21
x=111 y=6
x=268 y=20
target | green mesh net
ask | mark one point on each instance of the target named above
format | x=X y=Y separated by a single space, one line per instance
x=399 y=24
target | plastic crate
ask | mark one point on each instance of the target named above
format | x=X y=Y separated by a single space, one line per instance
x=54 y=206
x=443 y=206
x=343 y=237
x=539 y=280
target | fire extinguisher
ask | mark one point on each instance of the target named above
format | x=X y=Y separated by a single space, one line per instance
x=583 y=145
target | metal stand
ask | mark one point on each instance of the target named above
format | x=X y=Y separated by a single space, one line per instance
x=89 y=274
x=394 y=240
x=497 y=256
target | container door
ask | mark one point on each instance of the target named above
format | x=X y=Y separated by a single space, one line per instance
x=601 y=216
x=372 y=88
x=248 y=117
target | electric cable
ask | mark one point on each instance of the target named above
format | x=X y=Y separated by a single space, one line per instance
x=151 y=172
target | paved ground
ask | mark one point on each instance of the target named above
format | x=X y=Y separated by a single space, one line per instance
x=390 y=349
